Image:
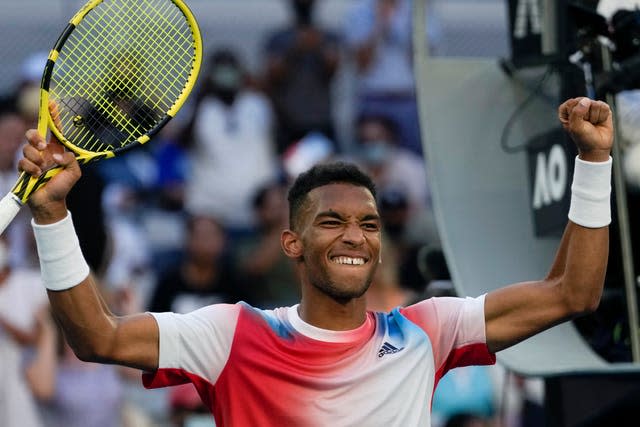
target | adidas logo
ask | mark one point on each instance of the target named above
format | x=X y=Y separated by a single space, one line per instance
x=388 y=349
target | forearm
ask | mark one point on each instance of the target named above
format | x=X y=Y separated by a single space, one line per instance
x=581 y=267
x=587 y=249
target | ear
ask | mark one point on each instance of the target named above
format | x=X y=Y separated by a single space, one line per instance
x=291 y=244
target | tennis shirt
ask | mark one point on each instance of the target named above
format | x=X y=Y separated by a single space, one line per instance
x=256 y=367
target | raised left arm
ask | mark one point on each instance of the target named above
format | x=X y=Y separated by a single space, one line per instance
x=575 y=281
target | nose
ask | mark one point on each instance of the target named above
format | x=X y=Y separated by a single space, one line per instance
x=353 y=235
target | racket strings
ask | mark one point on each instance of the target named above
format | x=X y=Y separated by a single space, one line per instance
x=120 y=71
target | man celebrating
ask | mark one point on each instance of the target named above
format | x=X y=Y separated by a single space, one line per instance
x=327 y=360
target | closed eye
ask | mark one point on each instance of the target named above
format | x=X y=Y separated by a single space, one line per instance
x=370 y=226
x=330 y=223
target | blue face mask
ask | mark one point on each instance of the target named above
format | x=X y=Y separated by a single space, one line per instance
x=375 y=152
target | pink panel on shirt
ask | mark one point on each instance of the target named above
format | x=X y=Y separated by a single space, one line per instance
x=457 y=337
x=173 y=377
x=473 y=354
x=274 y=380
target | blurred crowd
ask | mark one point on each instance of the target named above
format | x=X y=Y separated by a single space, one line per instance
x=194 y=217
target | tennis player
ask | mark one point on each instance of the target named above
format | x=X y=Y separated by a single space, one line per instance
x=328 y=361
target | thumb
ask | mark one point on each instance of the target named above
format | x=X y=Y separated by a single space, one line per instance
x=67 y=160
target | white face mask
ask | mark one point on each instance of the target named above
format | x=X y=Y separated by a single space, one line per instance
x=198 y=420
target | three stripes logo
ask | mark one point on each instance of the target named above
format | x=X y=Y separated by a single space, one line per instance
x=388 y=349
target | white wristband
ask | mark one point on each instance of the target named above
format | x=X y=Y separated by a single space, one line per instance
x=591 y=194
x=62 y=264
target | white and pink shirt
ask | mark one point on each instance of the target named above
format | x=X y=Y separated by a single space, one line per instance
x=256 y=367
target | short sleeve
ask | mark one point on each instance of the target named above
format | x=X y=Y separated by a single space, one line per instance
x=456 y=328
x=193 y=344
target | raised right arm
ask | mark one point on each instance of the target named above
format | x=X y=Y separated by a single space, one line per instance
x=93 y=332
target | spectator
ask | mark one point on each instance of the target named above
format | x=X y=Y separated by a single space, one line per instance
x=74 y=385
x=12 y=129
x=22 y=298
x=27 y=94
x=129 y=276
x=203 y=276
x=378 y=37
x=301 y=61
x=171 y=172
x=390 y=164
x=268 y=275
x=231 y=144
x=404 y=202
x=387 y=290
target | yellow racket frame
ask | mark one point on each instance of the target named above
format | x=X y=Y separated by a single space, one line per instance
x=27 y=184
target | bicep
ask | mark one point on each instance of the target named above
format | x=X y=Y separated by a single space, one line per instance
x=518 y=311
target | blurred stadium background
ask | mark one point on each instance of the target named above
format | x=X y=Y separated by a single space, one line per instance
x=465 y=27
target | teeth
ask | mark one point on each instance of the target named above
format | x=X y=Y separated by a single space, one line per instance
x=348 y=260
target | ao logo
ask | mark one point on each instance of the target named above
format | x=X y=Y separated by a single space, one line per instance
x=550 y=177
x=527 y=10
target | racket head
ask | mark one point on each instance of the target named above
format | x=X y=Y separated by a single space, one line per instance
x=118 y=73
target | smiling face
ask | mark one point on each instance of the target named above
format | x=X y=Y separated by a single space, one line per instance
x=337 y=242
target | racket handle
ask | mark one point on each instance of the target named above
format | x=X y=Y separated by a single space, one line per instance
x=9 y=207
x=25 y=185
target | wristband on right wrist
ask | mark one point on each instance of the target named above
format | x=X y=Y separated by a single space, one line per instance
x=591 y=193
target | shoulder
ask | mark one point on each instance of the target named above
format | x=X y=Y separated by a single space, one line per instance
x=444 y=310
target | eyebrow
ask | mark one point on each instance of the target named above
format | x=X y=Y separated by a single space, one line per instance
x=336 y=215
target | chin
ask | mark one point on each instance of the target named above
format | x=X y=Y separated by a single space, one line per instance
x=345 y=290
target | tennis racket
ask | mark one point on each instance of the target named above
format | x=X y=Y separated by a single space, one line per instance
x=117 y=74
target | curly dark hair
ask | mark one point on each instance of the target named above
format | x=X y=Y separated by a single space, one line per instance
x=320 y=175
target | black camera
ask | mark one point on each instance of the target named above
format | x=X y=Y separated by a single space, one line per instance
x=623 y=30
x=625 y=34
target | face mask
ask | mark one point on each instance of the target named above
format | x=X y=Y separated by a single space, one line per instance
x=226 y=77
x=375 y=152
x=198 y=421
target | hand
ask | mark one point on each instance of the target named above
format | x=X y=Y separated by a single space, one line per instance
x=48 y=203
x=590 y=126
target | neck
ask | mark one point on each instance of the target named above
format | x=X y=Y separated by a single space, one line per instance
x=323 y=311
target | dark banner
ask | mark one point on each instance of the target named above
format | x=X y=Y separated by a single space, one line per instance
x=550 y=160
x=525 y=29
